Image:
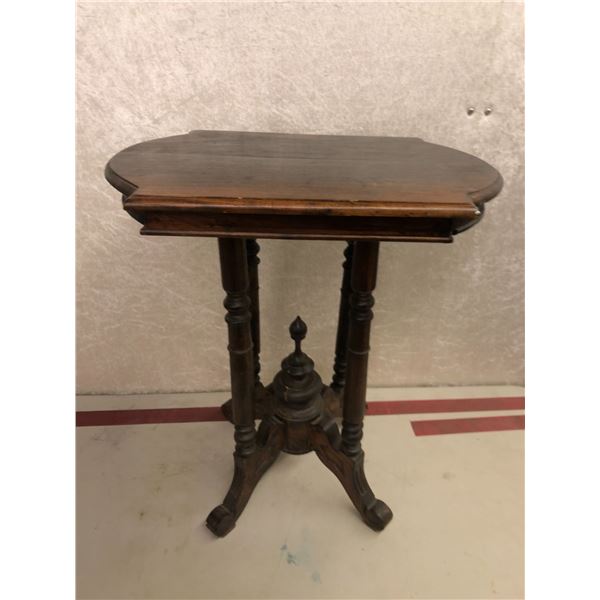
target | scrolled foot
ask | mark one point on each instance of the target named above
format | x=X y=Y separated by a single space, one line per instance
x=221 y=521
x=247 y=473
x=378 y=515
x=350 y=471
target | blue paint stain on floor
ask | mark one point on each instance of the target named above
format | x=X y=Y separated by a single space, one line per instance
x=291 y=559
x=301 y=557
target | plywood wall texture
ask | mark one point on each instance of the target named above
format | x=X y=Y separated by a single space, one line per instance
x=149 y=310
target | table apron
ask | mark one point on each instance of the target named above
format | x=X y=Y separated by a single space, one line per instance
x=407 y=229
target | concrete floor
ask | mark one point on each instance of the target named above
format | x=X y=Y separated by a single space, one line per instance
x=144 y=491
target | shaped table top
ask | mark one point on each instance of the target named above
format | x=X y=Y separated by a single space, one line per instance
x=243 y=184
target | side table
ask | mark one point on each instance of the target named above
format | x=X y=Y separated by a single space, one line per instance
x=240 y=186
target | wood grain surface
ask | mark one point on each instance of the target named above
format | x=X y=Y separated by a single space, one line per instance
x=243 y=184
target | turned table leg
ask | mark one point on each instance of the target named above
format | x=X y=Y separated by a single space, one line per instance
x=252 y=457
x=252 y=250
x=345 y=457
x=341 y=342
x=363 y=279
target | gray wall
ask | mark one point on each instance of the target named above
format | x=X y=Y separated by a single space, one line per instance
x=150 y=316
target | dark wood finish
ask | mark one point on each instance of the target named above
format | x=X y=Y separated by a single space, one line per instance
x=327 y=443
x=302 y=227
x=252 y=250
x=249 y=462
x=296 y=422
x=259 y=395
x=247 y=472
x=242 y=184
x=341 y=343
x=260 y=401
x=362 y=281
x=234 y=275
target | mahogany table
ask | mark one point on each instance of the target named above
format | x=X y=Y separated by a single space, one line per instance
x=240 y=186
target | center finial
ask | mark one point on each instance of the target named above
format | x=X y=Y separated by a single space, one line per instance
x=297 y=387
x=298 y=331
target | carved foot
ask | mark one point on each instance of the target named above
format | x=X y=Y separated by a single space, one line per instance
x=326 y=441
x=378 y=515
x=247 y=473
x=221 y=520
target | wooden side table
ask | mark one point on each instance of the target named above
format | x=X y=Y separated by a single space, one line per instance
x=239 y=186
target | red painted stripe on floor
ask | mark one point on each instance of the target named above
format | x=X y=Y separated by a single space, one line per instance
x=96 y=418
x=144 y=416
x=443 y=426
x=413 y=407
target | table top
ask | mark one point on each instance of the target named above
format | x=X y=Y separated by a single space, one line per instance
x=243 y=184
